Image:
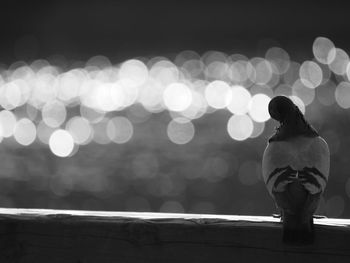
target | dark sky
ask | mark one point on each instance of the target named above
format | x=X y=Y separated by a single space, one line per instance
x=122 y=29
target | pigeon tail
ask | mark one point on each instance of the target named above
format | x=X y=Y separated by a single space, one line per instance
x=297 y=214
x=296 y=230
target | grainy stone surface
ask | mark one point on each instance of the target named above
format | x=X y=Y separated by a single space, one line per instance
x=32 y=235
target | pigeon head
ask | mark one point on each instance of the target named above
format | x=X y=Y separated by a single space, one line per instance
x=281 y=108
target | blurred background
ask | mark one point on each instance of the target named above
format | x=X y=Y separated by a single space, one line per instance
x=161 y=106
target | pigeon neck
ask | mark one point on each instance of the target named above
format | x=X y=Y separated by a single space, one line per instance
x=293 y=126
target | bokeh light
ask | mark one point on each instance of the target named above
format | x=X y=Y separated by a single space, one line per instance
x=240 y=71
x=324 y=50
x=180 y=130
x=218 y=94
x=25 y=132
x=54 y=113
x=150 y=96
x=258 y=129
x=258 y=107
x=310 y=74
x=7 y=123
x=342 y=94
x=176 y=121
x=263 y=71
x=340 y=62
x=240 y=100
x=80 y=129
x=177 y=97
x=134 y=71
x=279 y=58
x=240 y=127
x=306 y=94
x=69 y=85
x=120 y=129
x=61 y=143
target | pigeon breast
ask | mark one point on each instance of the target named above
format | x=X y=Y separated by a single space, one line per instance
x=300 y=154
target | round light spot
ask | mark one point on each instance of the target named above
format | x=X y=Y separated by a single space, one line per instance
x=61 y=143
x=180 y=130
x=186 y=55
x=177 y=97
x=193 y=67
x=54 y=113
x=134 y=71
x=118 y=96
x=348 y=71
x=7 y=123
x=150 y=95
x=324 y=50
x=258 y=129
x=306 y=94
x=263 y=71
x=239 y=71
x=98 y=62
x=69 y=85
x=137 y=113
x=240 y=100
x=91 y=115
x=120 y=129
x=165 y=72
x=80 y=129
x=340 y=62
x=197 y=108
x=217 y=70
x=11 y=96
x=130 y=93
x=279 y=58
x=240 y=127
x=258 y=107
x=25 y=132
x=104 y=98
x=310 y=74
x=218 y=94
x=342 y=94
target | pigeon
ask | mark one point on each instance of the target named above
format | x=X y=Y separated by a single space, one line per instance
x=295 y=168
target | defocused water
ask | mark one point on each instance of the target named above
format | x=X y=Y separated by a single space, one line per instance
x=183 y=133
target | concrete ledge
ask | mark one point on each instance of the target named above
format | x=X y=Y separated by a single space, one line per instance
x=35 y=235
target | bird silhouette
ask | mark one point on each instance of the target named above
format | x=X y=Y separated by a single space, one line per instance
x=295 y=170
